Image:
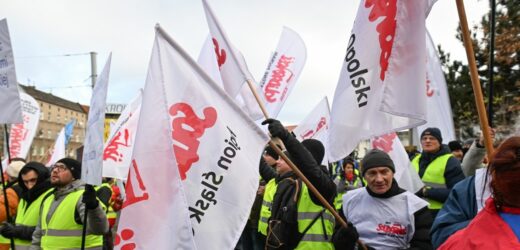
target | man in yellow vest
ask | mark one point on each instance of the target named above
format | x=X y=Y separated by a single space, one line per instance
x=438 y=169
x=34 y=183
x=62 y=212
x=314 y=224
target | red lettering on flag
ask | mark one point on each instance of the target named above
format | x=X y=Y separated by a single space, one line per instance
x=386 y=28
x=429 y=90
x=126 y=234
x=272 y=88
x=221 y=53
x=111 y=151
x=187 y=129
x=384 y=143
x=131 y=188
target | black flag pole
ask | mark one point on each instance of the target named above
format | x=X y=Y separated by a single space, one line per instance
x=491 y=65
x=6 y=202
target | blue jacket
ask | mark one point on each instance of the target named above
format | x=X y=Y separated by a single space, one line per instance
x=458 y=211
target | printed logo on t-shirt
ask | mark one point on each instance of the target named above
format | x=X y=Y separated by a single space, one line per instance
x=392 y=229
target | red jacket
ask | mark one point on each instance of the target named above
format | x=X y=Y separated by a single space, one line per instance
x=486 y=231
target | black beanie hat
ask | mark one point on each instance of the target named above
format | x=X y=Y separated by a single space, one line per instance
x=316 y=148
x=73 y=165
x=269 y=151
x=348 y=159
x=435 y=132
x=376 y=158
x=454 y=145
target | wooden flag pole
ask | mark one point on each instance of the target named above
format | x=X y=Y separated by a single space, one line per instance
x=475 y=81
x=273 y=144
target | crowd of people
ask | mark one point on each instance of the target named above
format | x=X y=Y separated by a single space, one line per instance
x=468 y=200
x=459 y=180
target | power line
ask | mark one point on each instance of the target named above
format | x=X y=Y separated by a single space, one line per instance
x=49 y=56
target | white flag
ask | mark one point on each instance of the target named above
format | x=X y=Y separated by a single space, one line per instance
x=381 y=86
x=439 y=113
x=233 y=68
x=283 y=70
x=316 y=126
x=210 y=177
x=10 y=108
x=58 y=152
x=117 y=153
x=21 y=135
x=208 y=61
x=405 y=174
x=92 y=164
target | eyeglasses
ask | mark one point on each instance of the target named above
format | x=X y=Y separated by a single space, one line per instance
x=59 y=167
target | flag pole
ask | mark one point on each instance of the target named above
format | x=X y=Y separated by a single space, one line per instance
x=475 y=81
x=2 y=179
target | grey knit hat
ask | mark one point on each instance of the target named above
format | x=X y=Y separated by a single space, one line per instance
x=376 y=158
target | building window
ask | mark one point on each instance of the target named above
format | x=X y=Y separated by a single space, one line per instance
x=58 y=118
x=35 y=151
x=49 y=116
x=42 y=150
x=49 y=134
x=42 y=116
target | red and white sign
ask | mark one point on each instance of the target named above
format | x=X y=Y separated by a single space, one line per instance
x=21 y=135
x=285 y=66
x=439 y=113
x=381 y=88
x=10 y=108
x=117 y=153
x=405 y=174
x=233 y=68
x=316 y=126
x=195 y=160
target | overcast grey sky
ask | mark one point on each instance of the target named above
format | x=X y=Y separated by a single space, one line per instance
x=42 y=32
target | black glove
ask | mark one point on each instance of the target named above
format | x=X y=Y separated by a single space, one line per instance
x=276 y=128
x=89 y=197
x=345 y=238
x=9 y=230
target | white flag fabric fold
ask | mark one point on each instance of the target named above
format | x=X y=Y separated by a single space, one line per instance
x=21 y=135
x=405 y=175
x=117 y=153
x=208 y=61
x=381 y=86
x=210 y=177
x=283 y=70
x=92 y=161
x=316 y=126
x=58 y=152
x=439 y=113
x=233 y=68
x=10 y=107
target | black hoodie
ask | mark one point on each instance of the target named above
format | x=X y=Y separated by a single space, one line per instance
x=42 y=184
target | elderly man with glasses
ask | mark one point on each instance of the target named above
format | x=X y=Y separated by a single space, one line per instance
x=62 y=212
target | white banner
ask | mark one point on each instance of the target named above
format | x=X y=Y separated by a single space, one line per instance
x=283 y=70
x=10 y=107
x=216 y=176
x=58 y=152
x=405 y=175
x=21 y=135
x=381 y=88
x=117 y=155
x=316 y=126
x=245 y=98
x=92 y=165
x=439 y=113
x=233 y=68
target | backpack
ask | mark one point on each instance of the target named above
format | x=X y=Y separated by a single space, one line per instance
x=282 y=231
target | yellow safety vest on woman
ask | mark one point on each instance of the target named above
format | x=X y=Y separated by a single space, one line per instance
x=434 y=175
x=319 y=234
x=62 y=231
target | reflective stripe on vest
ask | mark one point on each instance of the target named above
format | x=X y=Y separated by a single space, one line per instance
x=315 y=237
x=267 y=202
x=62 y=231
x=434 y=175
